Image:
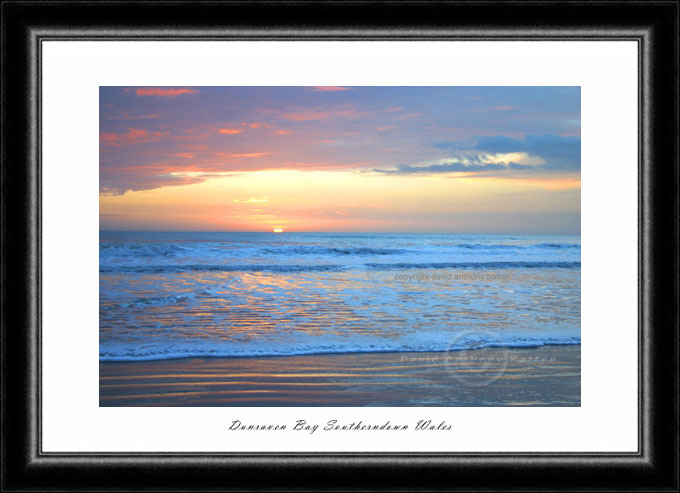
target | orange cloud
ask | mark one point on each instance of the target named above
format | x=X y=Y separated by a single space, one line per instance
x=557 y=184
x=284 y=132
x=185 y=154
x=250 y=154
x=161 y=91
x=229 y=131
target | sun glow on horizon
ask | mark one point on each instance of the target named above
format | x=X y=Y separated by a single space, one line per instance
x=344 y=159
x=319 y=201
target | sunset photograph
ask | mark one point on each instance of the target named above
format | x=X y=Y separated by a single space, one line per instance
x=380 y=246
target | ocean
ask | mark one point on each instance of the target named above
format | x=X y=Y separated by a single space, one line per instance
x=168 y=295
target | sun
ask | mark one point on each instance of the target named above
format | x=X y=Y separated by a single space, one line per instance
x=278 y=230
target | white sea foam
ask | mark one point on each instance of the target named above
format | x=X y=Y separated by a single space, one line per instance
x=177 y=295
x=171 y=349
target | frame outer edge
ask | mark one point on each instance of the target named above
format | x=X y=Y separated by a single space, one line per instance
x=31 y=469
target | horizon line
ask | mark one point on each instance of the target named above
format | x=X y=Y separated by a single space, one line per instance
x=323 y=232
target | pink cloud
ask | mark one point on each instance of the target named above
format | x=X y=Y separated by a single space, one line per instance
x=407 y=116
x=283 y=132
x=136 y=134
x=330 y=88
x=256 y=125
x=117 y=179
x=193 y=135
x=382 y=129
x=503 y=108
x=132 y=136
x=128 y=116
x=162 y=91
x=195 y=147
x=229 y=131
x=109 y=139
x=120 y=180
x=324 y=165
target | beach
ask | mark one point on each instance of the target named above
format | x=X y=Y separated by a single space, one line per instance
x=541 y=376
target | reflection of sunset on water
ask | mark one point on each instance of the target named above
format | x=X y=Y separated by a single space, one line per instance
x=336 y=311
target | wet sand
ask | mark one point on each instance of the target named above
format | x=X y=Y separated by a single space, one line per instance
x=544 y=376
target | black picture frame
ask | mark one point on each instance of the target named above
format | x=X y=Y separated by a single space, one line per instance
x=654 y=25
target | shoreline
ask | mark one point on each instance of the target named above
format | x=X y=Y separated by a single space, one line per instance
x=547 y=375
x=339 y=353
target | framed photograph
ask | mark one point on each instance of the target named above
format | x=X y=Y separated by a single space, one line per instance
x=354 y=246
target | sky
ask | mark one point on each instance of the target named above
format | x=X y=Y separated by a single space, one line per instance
x=343 y=159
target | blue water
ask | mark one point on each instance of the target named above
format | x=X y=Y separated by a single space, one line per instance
x=184 y=294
